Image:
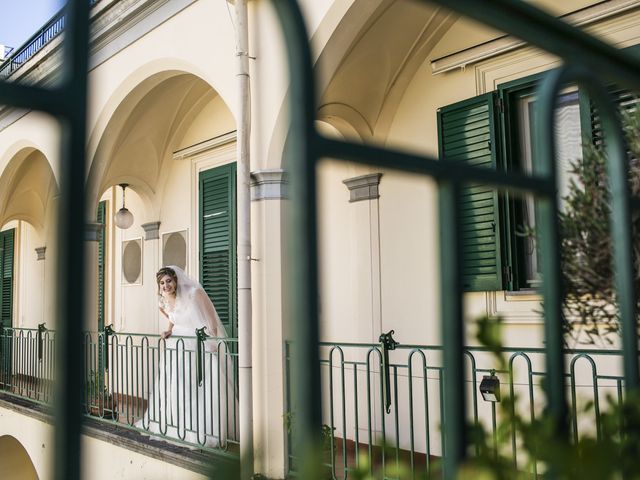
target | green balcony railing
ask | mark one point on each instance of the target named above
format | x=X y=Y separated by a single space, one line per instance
x=169 y=388
x=357 y=424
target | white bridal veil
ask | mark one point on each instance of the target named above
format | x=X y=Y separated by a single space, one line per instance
x=191 y=296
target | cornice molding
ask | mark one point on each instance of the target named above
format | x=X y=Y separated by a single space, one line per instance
x=269 y=184
x=205 y=146
x=364 y=187
x=114 y=26
x=151 y=230
x=580 y=18
x=40 y=253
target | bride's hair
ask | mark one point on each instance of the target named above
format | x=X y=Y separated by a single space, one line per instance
x=166 y=271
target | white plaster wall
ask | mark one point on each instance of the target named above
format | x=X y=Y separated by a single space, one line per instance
x=35 y=436
x=132 y=304
x=410 y=264
x=214 y=120
x=198 y=40
x=341 y=251
x=30 y=279
x=100 y=460
x=37 y=130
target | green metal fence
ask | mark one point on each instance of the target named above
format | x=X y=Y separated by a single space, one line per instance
x=180 y=389
x=360 y=416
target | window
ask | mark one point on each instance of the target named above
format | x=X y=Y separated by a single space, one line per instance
x=496 y=130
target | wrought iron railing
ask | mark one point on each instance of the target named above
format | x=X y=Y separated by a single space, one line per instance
x=53 y=28
x=364 y=423
x=171 y=389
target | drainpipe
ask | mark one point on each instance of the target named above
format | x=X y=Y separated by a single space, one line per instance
x=244 y=241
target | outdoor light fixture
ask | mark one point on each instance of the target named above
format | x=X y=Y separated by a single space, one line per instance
x=123 y=218
x=490 y=387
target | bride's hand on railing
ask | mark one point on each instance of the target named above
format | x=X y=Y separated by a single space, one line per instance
x=166 y=334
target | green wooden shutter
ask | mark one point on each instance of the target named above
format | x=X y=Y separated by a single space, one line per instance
x=466 y=133
x=6 y=277
x=6 y=304
x=590 y=118
x=101 y=217
x=217 y=194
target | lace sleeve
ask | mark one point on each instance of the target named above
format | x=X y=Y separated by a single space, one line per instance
x=162 y=306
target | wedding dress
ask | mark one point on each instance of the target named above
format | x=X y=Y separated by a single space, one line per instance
x=182 y=404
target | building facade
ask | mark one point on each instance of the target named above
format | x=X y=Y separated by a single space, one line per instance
x=164 y=115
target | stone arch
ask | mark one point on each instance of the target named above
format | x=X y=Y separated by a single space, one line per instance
x=15 y=460
x=365 y=63
x=124 y=147
x=27 y=187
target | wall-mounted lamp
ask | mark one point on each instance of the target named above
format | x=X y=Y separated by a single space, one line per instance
x=123 y=218
x=490 y=387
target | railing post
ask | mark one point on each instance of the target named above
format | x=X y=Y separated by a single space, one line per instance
x=388 y=343
x=106 y=333
x=201 y=336
x=41 y=330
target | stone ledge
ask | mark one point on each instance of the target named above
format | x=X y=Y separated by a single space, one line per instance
x=214 y=465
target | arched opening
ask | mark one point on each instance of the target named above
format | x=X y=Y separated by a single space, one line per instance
x=15 y=461
x=156 y=141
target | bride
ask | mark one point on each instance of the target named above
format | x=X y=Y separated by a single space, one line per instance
x=187 y=401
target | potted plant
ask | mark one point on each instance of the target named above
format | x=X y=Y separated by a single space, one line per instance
x=100 y=402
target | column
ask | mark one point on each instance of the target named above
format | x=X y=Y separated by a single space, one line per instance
x=268 y=190
x=151 y=262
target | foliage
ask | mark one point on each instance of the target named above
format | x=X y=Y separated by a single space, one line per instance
x=95 y=386
x=611 y=455
x=589 y=305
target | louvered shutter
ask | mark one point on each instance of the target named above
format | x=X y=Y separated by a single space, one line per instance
x=6 y=280
x=591 y=122
x=101 y=216
x=218 y=241
x=466 y=133
x=6 y=304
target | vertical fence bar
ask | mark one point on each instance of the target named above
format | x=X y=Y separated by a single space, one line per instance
x=355 y=414
x=621 y=234
x=454 y=426
x=302 y=273
x=548 y=236
x=70 y=304
x=370 y=412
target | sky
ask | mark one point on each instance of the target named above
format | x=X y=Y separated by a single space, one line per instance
x=19 y=19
